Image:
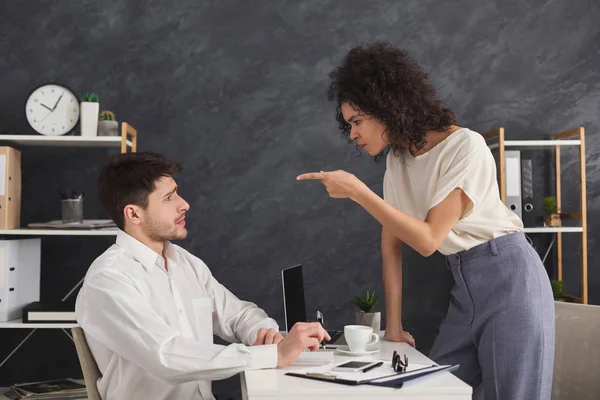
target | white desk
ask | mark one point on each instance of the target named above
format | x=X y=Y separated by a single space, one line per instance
x=273 y=384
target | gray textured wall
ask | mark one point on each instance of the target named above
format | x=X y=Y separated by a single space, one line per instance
x=234 y=90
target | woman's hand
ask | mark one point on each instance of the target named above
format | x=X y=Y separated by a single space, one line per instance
x=339 y=184
x=398 y=335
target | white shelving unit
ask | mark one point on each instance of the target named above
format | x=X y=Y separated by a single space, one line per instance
x=127 y=141
x=18 y=323
x=536 y=143
x=560 y=229
x=571 y=138
x=64 y=141
x=59 y=232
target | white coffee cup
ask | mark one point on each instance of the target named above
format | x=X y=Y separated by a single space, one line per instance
x=359 y=337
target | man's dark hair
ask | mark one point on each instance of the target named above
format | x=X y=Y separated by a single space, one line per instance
x=387 y=84
x=129 y=178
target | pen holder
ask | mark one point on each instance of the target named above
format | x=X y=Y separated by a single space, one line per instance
x=72 y=210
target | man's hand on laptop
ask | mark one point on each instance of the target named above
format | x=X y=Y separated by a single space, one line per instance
x=302 y=335
x=267 y=336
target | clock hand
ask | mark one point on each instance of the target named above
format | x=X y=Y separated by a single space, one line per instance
x=46 y=116
x=54 y=108
x=45 y=106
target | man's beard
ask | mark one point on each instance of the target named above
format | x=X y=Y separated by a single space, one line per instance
x=159 y=231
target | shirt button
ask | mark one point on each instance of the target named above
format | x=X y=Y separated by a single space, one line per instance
x=180 y=311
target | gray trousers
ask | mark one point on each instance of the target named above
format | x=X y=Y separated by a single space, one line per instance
x=500 y=322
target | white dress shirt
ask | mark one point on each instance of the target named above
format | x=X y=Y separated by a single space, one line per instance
x=150 y=328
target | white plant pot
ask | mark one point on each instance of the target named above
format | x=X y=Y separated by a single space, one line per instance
x=108 y=128
x=369 y=319
x=88 y=120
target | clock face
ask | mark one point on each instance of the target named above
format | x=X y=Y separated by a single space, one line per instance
x=52 y=110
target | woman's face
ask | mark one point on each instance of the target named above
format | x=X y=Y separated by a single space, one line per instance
x=367 y=132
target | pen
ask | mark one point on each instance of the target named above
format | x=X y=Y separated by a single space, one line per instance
x=320 y=320
x=379 y=364
x=62 y=194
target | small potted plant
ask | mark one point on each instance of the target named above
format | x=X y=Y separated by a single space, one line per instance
x=557 y=290
x=107 y=124
x=89 y=114
x=559 y=293
x=551 y=215
x=367 y=315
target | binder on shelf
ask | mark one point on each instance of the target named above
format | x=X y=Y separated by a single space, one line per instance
x=19 y=275
x=10 y=188
x=528 y=215
x=39 y=312
x=513 y=181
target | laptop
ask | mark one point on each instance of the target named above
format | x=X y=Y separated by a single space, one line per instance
x=294 y=306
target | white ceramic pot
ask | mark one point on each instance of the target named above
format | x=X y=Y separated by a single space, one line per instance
x=88 y=120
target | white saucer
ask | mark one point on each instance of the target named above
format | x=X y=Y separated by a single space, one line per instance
x=346 y=350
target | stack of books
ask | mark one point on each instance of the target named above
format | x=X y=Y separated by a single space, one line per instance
x=57 y=389
x=38 y=312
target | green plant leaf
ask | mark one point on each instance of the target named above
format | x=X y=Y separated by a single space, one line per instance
x=557 y=289
x=550 y=205
x=90 y=97
x=107 y=115
x=367 y=303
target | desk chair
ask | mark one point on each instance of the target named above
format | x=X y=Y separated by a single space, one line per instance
x=577 y=352
x=90 y=370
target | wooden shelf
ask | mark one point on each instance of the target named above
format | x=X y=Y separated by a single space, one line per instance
x=572 y=299
x=18 y=324
x=125 y=142
x=536 y=143
x=549 y=229
x=63 y=141
x=59 y=232
x=574 y=138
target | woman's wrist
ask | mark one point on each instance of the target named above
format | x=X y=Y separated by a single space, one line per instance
x=394 y=326
x=361 y=192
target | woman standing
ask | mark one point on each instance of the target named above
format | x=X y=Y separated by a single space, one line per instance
x=440 y=193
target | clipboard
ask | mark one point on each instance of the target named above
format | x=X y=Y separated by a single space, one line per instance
x=398 y=382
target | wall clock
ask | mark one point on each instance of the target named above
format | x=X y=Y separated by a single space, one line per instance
x=52 y=110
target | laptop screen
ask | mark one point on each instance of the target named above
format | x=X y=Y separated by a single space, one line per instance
x=294 y=306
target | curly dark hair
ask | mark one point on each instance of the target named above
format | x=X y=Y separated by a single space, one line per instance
x=387 y=84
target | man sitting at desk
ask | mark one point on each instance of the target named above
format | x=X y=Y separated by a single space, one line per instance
x=149 y=308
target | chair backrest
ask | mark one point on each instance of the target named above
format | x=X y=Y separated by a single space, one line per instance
x=90 y=370
x=577 y=352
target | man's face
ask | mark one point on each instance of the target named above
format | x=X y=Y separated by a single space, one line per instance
x=164 y=218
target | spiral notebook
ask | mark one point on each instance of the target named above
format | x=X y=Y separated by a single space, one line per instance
x=319 y=357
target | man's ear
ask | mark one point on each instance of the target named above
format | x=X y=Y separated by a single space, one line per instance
x=132 y=214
